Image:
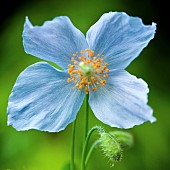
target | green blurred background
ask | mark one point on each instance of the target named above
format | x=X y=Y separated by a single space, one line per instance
x=34 y=150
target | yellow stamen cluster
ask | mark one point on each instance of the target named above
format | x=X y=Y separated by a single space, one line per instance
x=87 y=71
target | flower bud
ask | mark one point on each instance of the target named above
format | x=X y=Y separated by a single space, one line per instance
x=111 y=147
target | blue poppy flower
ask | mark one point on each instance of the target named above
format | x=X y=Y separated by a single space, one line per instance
x=48 y=99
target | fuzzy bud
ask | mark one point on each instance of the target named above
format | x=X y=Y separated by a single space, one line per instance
x=110 y=147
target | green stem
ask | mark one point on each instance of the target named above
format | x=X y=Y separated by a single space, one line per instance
x=72 y=146
x=91 y=150
x=85 y=146
x=87 y=117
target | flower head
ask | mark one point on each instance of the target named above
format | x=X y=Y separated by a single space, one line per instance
x=48 y=99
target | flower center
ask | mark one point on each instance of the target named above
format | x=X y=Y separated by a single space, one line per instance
x=87 y=71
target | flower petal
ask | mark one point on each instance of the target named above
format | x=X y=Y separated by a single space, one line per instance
x=54 y=41
x=122 y=102
x=119 y=37
x=42 y=99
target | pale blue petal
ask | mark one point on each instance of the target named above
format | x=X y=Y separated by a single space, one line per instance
x=42 y=99
x=122 y=102
x=54 y=41
x=119 y=37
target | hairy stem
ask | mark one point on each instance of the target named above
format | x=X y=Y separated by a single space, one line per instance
x=85 y=146
x=87 y=117
x=72 y=146
x=91 y=150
